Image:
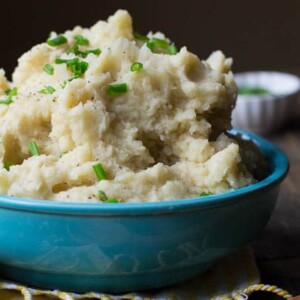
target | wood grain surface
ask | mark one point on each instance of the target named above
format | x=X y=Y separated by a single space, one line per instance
x=277 y=249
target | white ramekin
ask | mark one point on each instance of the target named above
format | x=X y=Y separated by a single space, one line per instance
x=267 y=112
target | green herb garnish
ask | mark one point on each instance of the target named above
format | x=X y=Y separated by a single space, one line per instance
x=60 y=61
x=80 y=40
x=203 y=194
x=136 y=66
x=102 y=196
x=118 y=88
x=156 y=45
x=99 y=171
x=63 y=84
x=140 y=37
x=112 y=200
x=77 y=66
x=74 y=49
x=253 y=91
x=151 y=46
x=56 y=41
x=47 y=90
x=160 y=43
x=7 y=164
x=33 y=148
x=85 y=53
x=62 y=154
x=48 y=69
x=172 y=50
x=10 y=94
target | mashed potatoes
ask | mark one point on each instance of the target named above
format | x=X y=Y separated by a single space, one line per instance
x=154 y=128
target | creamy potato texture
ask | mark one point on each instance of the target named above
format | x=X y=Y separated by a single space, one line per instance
x=159 y=136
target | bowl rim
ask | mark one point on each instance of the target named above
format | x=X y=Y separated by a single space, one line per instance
x=269 y=97
x=278 y=159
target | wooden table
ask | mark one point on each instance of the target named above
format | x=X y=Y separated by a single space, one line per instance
x=277 y=249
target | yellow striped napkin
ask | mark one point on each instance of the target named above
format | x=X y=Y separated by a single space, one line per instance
x=229 y=277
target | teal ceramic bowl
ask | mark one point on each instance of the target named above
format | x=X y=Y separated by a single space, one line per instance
x=132 y=247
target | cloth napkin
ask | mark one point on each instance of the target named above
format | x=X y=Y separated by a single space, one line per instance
x=229 y=276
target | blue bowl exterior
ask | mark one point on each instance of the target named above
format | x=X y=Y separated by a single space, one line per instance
x=131 y=247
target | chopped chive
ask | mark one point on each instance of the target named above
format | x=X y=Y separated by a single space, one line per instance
x=102 y=196
x=13 y=92
x=56 y=41
x=63 y=85
x=10 y=94
x=118 y=88
x=62 y=154
x=172 y=50
x=7 y=164
x=160 y=43
x=77 y=66
x=48 y=69
x=74 y=49
x=85 y=53
x=140 y=37
x=112 y=200
x=136 y=66
x=47 y=90
x=203 y=194
x=151 y=46
x=80 y=40
x=72 y=78
x=99 y=171
x=59 y=61
x=33 y=148
x=155 y=44
x=5 y=102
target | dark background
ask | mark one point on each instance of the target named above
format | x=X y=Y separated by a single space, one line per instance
x=257 y=34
